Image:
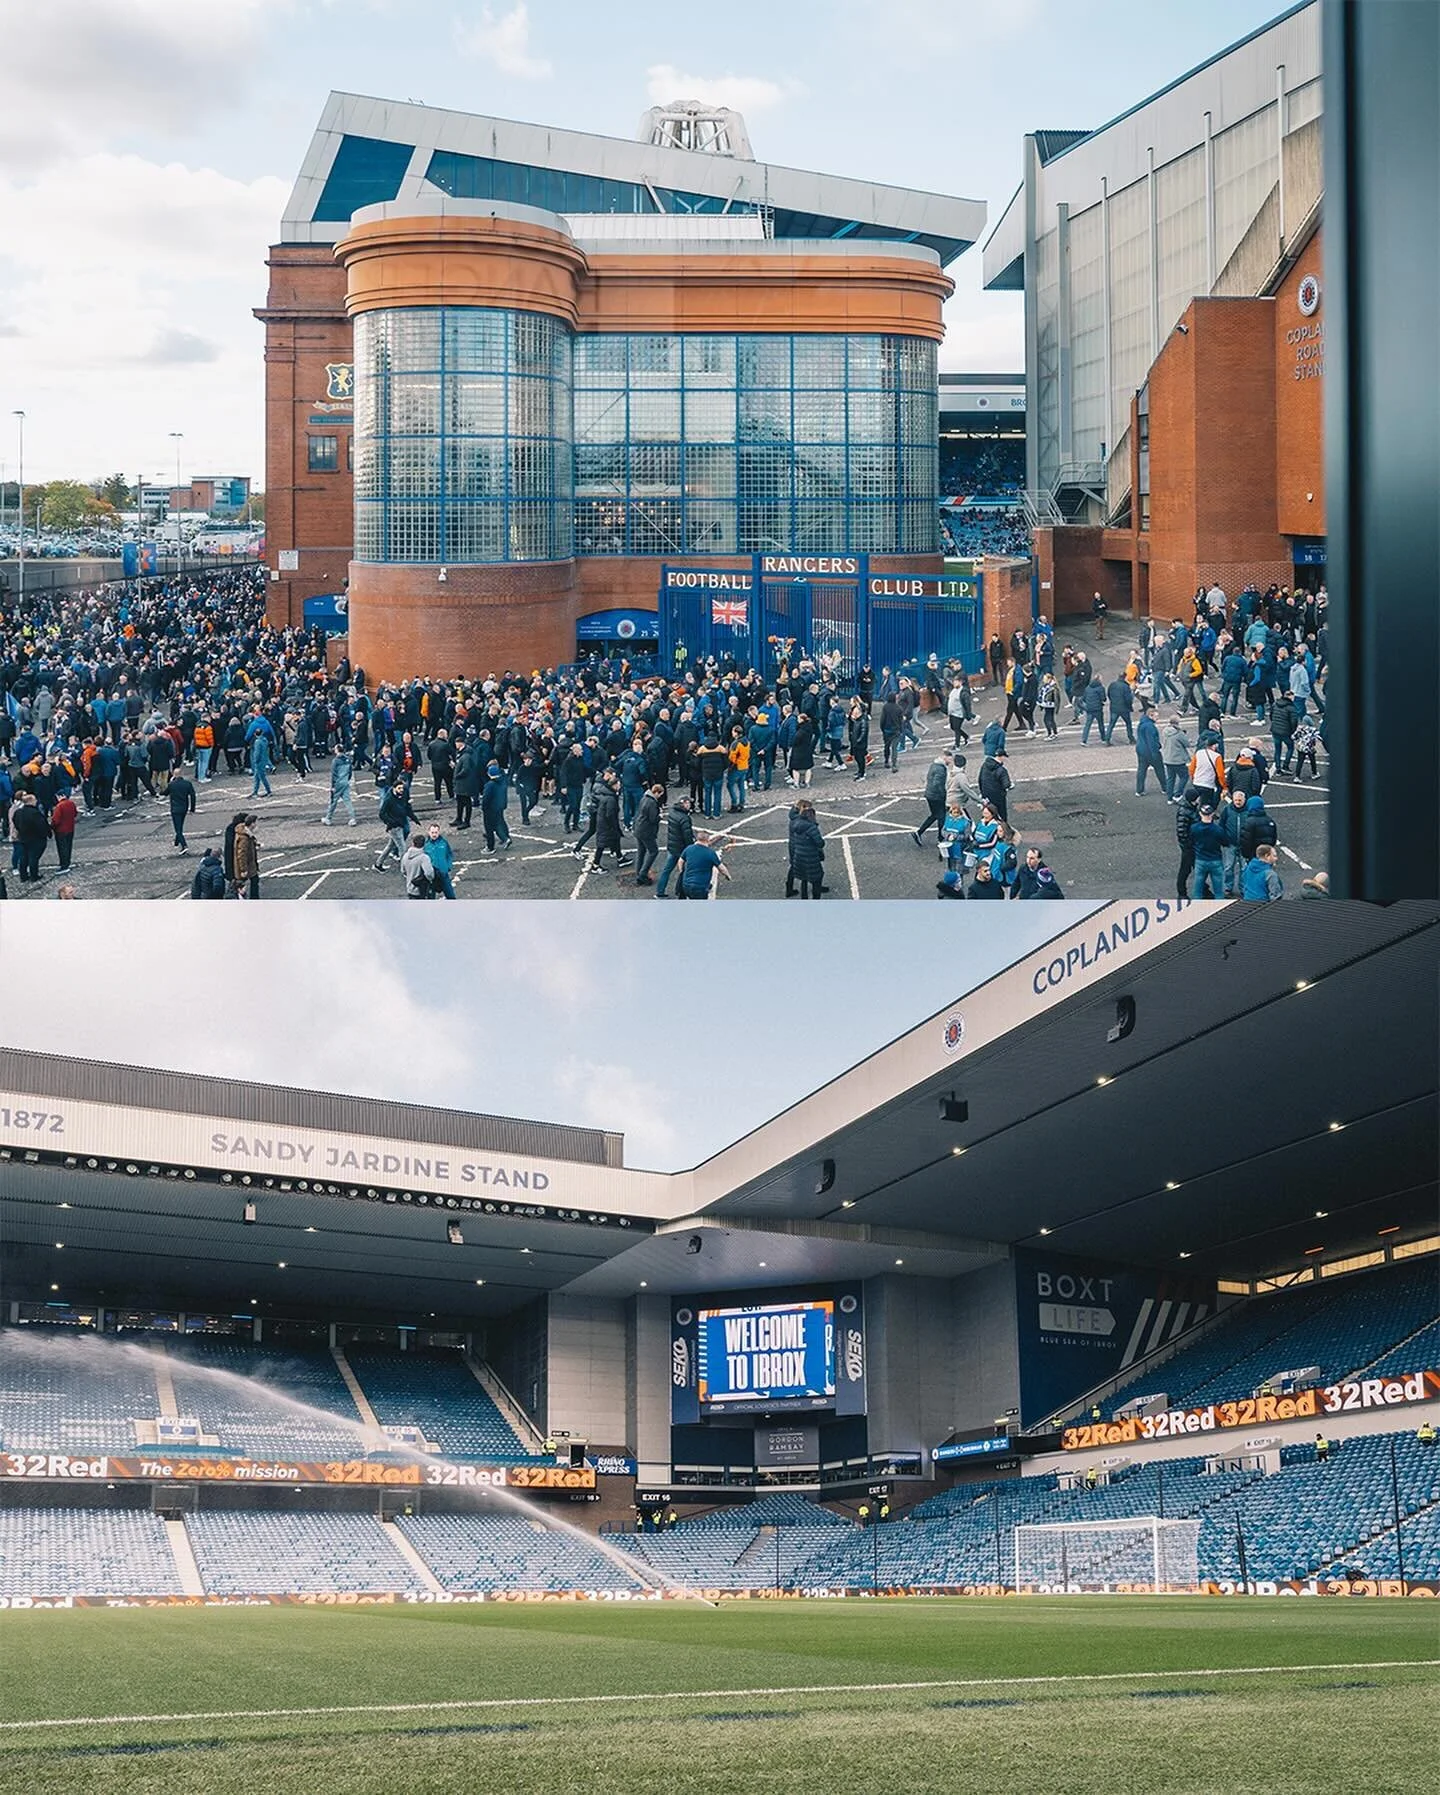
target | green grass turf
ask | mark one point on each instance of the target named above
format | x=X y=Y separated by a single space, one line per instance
x=749 y=1715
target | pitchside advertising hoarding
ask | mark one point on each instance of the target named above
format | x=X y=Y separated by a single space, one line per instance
x=729 y=1356
x=104 y=1467
x=1321 y=1402
x=1080 y=1323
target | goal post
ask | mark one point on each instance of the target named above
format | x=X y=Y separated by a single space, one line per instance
x=1145 y=1554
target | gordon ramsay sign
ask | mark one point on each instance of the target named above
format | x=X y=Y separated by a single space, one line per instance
x=71 y=1467
x=1320 y=1402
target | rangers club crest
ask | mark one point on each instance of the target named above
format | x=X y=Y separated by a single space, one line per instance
x=1307 y=296
x=339 y=380
x=954 y=1033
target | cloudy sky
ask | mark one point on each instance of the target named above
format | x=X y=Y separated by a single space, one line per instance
x=683 y=1039
x=147 y=149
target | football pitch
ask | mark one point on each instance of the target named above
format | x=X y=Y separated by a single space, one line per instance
x=1102 y=1695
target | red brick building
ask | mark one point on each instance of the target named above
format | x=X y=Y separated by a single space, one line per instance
x=1227 y=449
x=503 y=389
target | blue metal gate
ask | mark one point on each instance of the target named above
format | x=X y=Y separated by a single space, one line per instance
x=705 y=611
x=761 y=615
x=819 y=617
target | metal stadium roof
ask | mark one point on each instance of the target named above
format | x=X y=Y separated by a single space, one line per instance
x=369 y=151
x=1276 y=1095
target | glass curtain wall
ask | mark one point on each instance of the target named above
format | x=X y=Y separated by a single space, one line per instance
x=462 y=436
x=682 y=444
x=699 y=444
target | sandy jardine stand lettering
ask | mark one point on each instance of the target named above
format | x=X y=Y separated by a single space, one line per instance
x=272 y=1149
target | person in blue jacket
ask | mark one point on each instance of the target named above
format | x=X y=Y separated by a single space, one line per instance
x=1207 y=839
x=493 y=799
x=442 y=858
x=1232 y=677
x=1148 y=758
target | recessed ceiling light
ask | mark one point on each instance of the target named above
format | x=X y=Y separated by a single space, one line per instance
x=1171 y=1184
x=54 y=1286
x=1184 y=1255
x=1102 y=1079
x=280 y=1264
x=59 y=1246
x=309 y=1230
x=62 y=1205
x=847 y=1203
x=644 y=1285
x=899 y=1261
x=957 y=1151
x=1044 y=1230
x=479 y=1280
x=1302 y=984
x=762 y=1265
x=1320 y=1214
x=1335 y=1127
x=524 y=1249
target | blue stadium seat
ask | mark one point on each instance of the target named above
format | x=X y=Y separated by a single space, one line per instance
x=438 y=1393
x=1343 y=1326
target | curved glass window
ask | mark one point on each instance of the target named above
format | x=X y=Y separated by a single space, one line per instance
x=462 y=436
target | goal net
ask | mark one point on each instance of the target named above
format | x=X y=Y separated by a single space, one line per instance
x=1144 y=1554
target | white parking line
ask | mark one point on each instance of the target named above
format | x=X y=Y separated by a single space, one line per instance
x=317 y=883
x=1295 y=857
x=850 y=867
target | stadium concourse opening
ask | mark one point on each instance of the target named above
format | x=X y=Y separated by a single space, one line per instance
x=269 y=1343
x=511 y=370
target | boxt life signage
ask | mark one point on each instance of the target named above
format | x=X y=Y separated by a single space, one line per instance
x=1080 y=1322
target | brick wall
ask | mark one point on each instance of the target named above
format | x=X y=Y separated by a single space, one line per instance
x=305 y=327
x=1213 y=454
x=1236 y=447
x=1006 y=599
x=1299 y=402
x=481 y=620
x=1075 y=561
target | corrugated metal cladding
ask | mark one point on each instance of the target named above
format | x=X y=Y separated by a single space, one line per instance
x=190 y=1093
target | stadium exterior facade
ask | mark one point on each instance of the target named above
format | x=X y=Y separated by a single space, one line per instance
x=511 y=372
x=1174 y=321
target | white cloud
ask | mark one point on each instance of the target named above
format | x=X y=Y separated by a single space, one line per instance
x=74 y=73
x=597 y=1095
x=503 y=41
x=172 y=346
x=742 y=93
x=250 y=998
x=134 y=318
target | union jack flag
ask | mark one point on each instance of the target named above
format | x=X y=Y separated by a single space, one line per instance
x=729 y=610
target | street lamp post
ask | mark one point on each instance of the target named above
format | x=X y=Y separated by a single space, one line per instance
x=178 y=436
x=20 y=518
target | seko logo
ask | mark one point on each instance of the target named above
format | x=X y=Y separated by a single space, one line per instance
x=680 y=1363
x=854 y=1355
